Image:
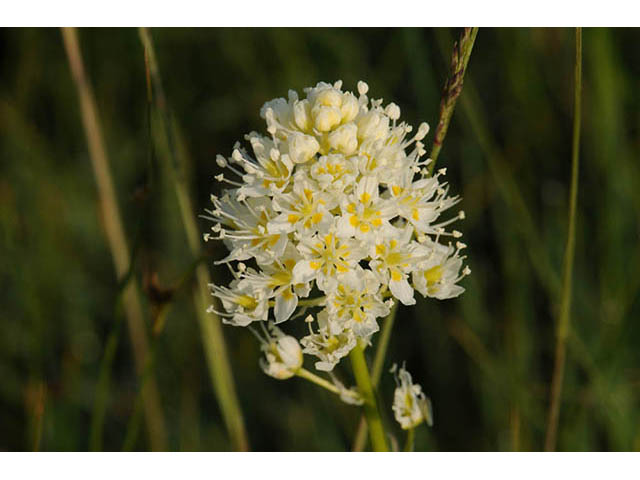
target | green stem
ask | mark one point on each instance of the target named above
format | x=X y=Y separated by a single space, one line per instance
x=452 y=89
x=383 y=345
x=313 y=378
x=411 y=436
x=565 y=305
x=363 y=379
x=378 y=364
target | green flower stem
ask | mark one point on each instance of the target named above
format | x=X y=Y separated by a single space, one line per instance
x=313 y=378
x=363 y=379
x=565 y=303
x=411 y=436
x=383 y=345
x=376 y=373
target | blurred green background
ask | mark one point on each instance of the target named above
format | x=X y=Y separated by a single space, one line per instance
x=485 y=359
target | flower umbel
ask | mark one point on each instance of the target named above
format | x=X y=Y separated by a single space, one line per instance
x=334 y=203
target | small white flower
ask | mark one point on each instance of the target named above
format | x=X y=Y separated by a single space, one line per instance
x=328 y=346
x=393 y=260
x=410 y=405
x=364 y=213
x=326 y=256
x=282 y=355
x=356 y=302
x=242 y=226
x=277 y=279
x=439 y=273
x=243 y=304
x=305 y=209
x=269 y=170
x=334 y=173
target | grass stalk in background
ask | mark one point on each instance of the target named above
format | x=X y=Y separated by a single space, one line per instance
x=102 y=389
x=210 y=324
x=363 y=380
x=116 y=239
x=506 y=183
x=565 y=302
x=452 y=88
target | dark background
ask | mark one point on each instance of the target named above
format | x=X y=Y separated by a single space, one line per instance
x=485 y=358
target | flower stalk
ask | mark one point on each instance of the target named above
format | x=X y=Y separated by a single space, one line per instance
x=565 y=304
x=321 y=382
x=363 y=380
x=376 y=373
x=411 y=436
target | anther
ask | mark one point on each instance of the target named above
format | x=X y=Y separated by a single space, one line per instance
x=363 y=88
x=221 y=161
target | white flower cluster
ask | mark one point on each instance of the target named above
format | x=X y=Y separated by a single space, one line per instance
x=335 y=203
x=410 y=405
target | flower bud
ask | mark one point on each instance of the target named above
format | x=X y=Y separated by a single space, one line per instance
x=329 y=98
x=349 y=108
x=372 y=126
x=302 y=115
x=283 y=357
x=325 y=118
x=344 y=139
x=302 y=147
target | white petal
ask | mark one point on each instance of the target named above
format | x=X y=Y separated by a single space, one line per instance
x=290 y=352
x=369 y=186
x=286 y=303
x=305 y=271
x=344 y=229
x=365 y=328
x=450 y=292
x=325 y=366
x=402 y=291
x=280 y=224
